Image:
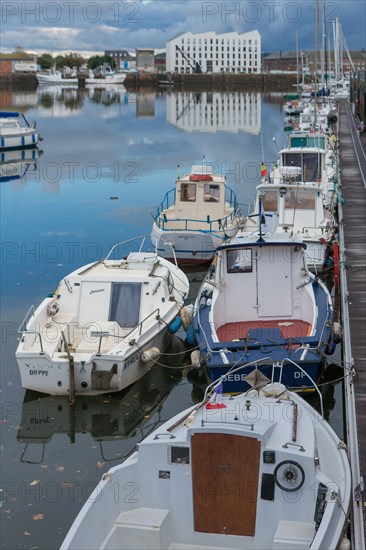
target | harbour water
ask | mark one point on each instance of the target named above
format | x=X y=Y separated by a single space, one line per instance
x=107 y=160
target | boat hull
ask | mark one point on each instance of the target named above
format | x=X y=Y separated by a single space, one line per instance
x=19 y=140
x=97 y=82
x=100 y=374
x=55 y=80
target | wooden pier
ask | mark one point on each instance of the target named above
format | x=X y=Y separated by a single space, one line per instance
x=353 y=261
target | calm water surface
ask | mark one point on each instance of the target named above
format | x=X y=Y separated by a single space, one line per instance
x=107 y=160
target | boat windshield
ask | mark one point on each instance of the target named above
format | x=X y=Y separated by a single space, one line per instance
x=310 y=163
x=269 y=201
x=211 y=193
x=301 y=199
x=125 y=304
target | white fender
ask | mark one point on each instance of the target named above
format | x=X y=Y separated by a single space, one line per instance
x=196 y=358
x=186 y=314
x=150 y=354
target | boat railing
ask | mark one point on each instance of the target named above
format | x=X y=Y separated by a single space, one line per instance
x=134 y=239
x=209 y=225
x=232 y=370
x=143 y=238
x=137 y=329
x=23 y=326
x=168 y=200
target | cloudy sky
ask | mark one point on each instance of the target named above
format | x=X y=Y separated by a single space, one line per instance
x=83 y=25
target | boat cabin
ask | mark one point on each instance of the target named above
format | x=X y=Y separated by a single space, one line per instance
x=264 y=286
x=290 y=206
x=199 y=201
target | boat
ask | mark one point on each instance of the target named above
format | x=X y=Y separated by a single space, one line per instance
x=54 y=77
x=16 y=132
x=295 y=207
x=105 y=77
x=261 y=469
x=260 y=307
x=104 y=327
x=196 y=216
x=309 y=157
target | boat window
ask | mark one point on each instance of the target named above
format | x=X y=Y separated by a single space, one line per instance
x=269 y=201
x=178 y=455
x=311 y=167
x=309 y=162
x=301 y=199
x=188 y=192
x=211 y=193
x=239 y=260
x=125 y=304
x=9 y=124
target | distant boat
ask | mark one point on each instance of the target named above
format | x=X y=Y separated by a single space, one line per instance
x=260 y=308
x=107 y=77
x=54 y=77
x=196 y=216
x=104 y=326
x=261 y=469
x=16 y=132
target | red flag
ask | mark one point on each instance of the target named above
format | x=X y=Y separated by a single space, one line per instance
x=264 y=171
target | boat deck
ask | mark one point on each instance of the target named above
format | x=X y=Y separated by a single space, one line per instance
x=271 y=329
x=353 y=166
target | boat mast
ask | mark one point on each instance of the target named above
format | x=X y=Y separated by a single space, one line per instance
x=322 y=51
x=297 y=61
x=316 y=57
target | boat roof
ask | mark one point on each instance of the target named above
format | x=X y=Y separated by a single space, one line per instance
x=202 y=172
x=253 y=238
x=10 y=114
x=289 y=185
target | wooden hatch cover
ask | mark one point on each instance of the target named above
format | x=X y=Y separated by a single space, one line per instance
x=225 y=471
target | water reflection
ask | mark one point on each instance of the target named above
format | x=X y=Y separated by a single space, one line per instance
x=132 y=413
x=215 y=111
x=15 y=163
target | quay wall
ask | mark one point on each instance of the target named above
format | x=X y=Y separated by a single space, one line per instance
x=188 y=82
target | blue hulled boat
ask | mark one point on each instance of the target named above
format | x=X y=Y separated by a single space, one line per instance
x=259 y=307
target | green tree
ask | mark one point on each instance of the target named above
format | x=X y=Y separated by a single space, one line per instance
x=97 y=60
x=73 y=60
x=45 y=61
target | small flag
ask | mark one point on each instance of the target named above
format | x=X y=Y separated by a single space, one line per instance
x=215 y=402
x=264 y=171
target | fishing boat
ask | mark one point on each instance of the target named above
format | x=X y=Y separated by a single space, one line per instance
x=261 y=469
x=259 y=305
x=56 y=78
x=295 y=207
x=309 y=157
x=104 y=327
x=16 y=132
x=196 y=216
x=104 y=77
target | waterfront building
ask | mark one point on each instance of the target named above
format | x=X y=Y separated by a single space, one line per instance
x=122 y=58
x=214 y=53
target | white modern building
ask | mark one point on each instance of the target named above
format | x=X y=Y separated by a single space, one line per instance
x=214 y=53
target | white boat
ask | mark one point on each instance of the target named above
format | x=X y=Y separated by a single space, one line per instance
x=16 y=132
x=290 y=207
x=107 y=78
x=308 y=158
x=104 y=326
x=54 y=77
x=257 y=470
x=196 y=216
